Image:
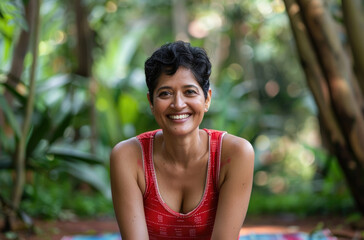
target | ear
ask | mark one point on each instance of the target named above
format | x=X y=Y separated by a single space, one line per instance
x=150 y=102
x=208 y=100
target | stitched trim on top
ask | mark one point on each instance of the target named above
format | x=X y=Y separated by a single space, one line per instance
x=218 y=159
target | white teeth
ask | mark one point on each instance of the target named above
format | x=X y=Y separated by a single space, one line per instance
x=182 y=116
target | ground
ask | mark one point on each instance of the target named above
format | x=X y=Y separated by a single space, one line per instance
x=55 y=230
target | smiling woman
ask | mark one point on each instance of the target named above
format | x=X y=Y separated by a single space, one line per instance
x=180 y=181
x=179 y=103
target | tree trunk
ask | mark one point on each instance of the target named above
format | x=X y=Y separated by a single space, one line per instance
x=85 y=61
x=21 y=47
x=21 y=146
x=84 y=40
x=331 y=79
x=180 y=20
x=354 y=25
x=17 y=63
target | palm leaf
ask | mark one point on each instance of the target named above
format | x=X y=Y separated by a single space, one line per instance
x=59 y=130
x=93 y=175
x=73 y=155
x=39 y=132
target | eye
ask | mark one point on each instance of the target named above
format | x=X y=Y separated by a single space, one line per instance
x=190 y=92
x=164 y=94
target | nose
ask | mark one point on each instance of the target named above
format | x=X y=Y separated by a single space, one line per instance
x=178 y=102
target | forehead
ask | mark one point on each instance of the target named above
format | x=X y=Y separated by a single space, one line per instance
x=183 y=76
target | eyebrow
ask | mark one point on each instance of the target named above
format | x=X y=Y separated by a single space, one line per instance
x=185 y=86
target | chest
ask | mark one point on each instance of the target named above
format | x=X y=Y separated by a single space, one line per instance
x=181 y=204
x=181 y=189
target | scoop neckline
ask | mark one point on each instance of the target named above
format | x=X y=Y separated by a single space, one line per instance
x=207 y=181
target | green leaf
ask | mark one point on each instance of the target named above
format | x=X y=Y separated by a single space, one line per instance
x=120 y=52
x=73 y=155
x=95 y=176
x=53 y=82
x=14 y=10
x=128 y=108
x=10 y=116
x=5 y=48
x=20 y=97
x=59 y=130
x=40 y=131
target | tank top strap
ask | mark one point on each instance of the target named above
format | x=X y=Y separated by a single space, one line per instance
x=146 y=142
x=215 y=154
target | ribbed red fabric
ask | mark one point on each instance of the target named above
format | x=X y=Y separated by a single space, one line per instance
x=163 y=222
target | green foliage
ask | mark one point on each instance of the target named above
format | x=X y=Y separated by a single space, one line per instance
x=10 y=116
x=12 y=13
x=259 y=93
x=12 y=19
x=323 y=196
x=47 y=147
x=63 y=199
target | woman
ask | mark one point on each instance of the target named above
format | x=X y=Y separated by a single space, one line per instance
x=181 y=182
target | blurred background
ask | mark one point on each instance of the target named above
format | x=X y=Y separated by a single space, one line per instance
x=287 y=76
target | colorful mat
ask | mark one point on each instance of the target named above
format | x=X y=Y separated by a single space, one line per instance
x=319 y=235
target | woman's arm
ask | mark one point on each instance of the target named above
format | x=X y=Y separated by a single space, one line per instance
x=126 y=191
x=236 y=177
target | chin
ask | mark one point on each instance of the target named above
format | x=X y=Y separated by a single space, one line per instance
x=181 y=131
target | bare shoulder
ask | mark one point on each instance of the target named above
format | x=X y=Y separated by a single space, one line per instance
x=127 y=152
x=237 y=158
x=237 y=147
x=126 y=165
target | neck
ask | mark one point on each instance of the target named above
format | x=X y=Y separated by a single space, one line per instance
x=184 y=149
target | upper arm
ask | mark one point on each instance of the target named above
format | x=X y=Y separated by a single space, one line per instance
x=126 y=194
x=237 y=173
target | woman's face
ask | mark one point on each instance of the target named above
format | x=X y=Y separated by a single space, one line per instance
x=179 y=103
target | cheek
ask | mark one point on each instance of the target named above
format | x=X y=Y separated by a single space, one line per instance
x=160 y=106
x=199 y=106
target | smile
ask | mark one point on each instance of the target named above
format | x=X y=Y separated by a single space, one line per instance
x=179 y=116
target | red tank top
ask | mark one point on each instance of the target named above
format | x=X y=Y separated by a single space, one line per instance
x=163 y=222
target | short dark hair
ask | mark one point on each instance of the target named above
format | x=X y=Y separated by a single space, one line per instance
x=169 y=57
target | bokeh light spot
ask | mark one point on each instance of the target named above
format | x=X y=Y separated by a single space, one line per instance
x=262 y=142
x=271 y=88
x=261 y=178
x=111 y=7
